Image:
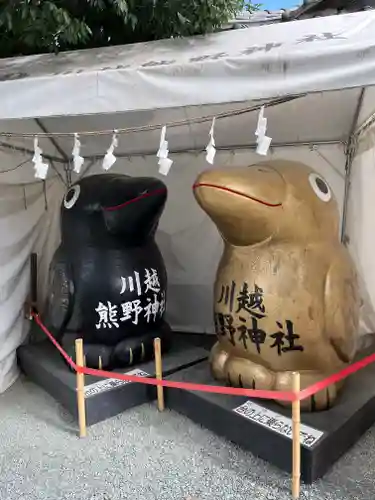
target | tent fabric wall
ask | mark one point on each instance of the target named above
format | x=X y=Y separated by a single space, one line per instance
x=360 y=223
x=24 y=226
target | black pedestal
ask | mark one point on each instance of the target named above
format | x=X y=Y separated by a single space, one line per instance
x=105 y=398
x=265 y=428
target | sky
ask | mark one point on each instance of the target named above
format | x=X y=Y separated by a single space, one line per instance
x=278 y=4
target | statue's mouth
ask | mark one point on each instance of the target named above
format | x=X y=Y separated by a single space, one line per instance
x=238 y=193
x=145 y=194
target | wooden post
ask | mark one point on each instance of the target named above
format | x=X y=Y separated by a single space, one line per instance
x=296 y=423
x=80 y=389
x=159 y=373
x=33 y=282
x=31 y=303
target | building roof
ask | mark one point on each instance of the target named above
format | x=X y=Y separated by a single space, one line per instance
x=246 y=19
x=309 y=8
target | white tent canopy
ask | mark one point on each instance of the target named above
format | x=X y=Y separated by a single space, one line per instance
x=315 y=78
x=263 y=62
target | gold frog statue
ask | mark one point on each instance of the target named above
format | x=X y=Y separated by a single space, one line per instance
x=286 y=293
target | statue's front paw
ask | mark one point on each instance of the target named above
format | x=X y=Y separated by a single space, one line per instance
x=98 y=356
x=218 y=359
x=95 y=355
x=134 y=350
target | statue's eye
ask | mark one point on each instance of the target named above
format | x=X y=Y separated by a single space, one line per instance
x=72 y=196
x=320 y=187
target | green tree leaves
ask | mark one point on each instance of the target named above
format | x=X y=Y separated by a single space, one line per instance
x=34 y=26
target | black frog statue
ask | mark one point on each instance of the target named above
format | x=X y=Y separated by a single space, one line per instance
x=107 y=279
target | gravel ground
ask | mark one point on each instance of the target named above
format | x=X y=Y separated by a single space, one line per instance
x=145 y=455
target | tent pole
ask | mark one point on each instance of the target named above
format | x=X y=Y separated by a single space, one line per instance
x=366 y=125
x=53 y=141
x=58 y=149
x=350 y=152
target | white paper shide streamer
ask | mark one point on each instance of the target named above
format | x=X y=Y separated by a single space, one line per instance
x=40 y=167
x=210 y=148
x=109 y=158
x=78 y=160
x=164 y=162
x=263 y=141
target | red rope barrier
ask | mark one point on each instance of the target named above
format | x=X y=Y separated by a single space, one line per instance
x=336 y=377
x=188 y=386
x=232 y=391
